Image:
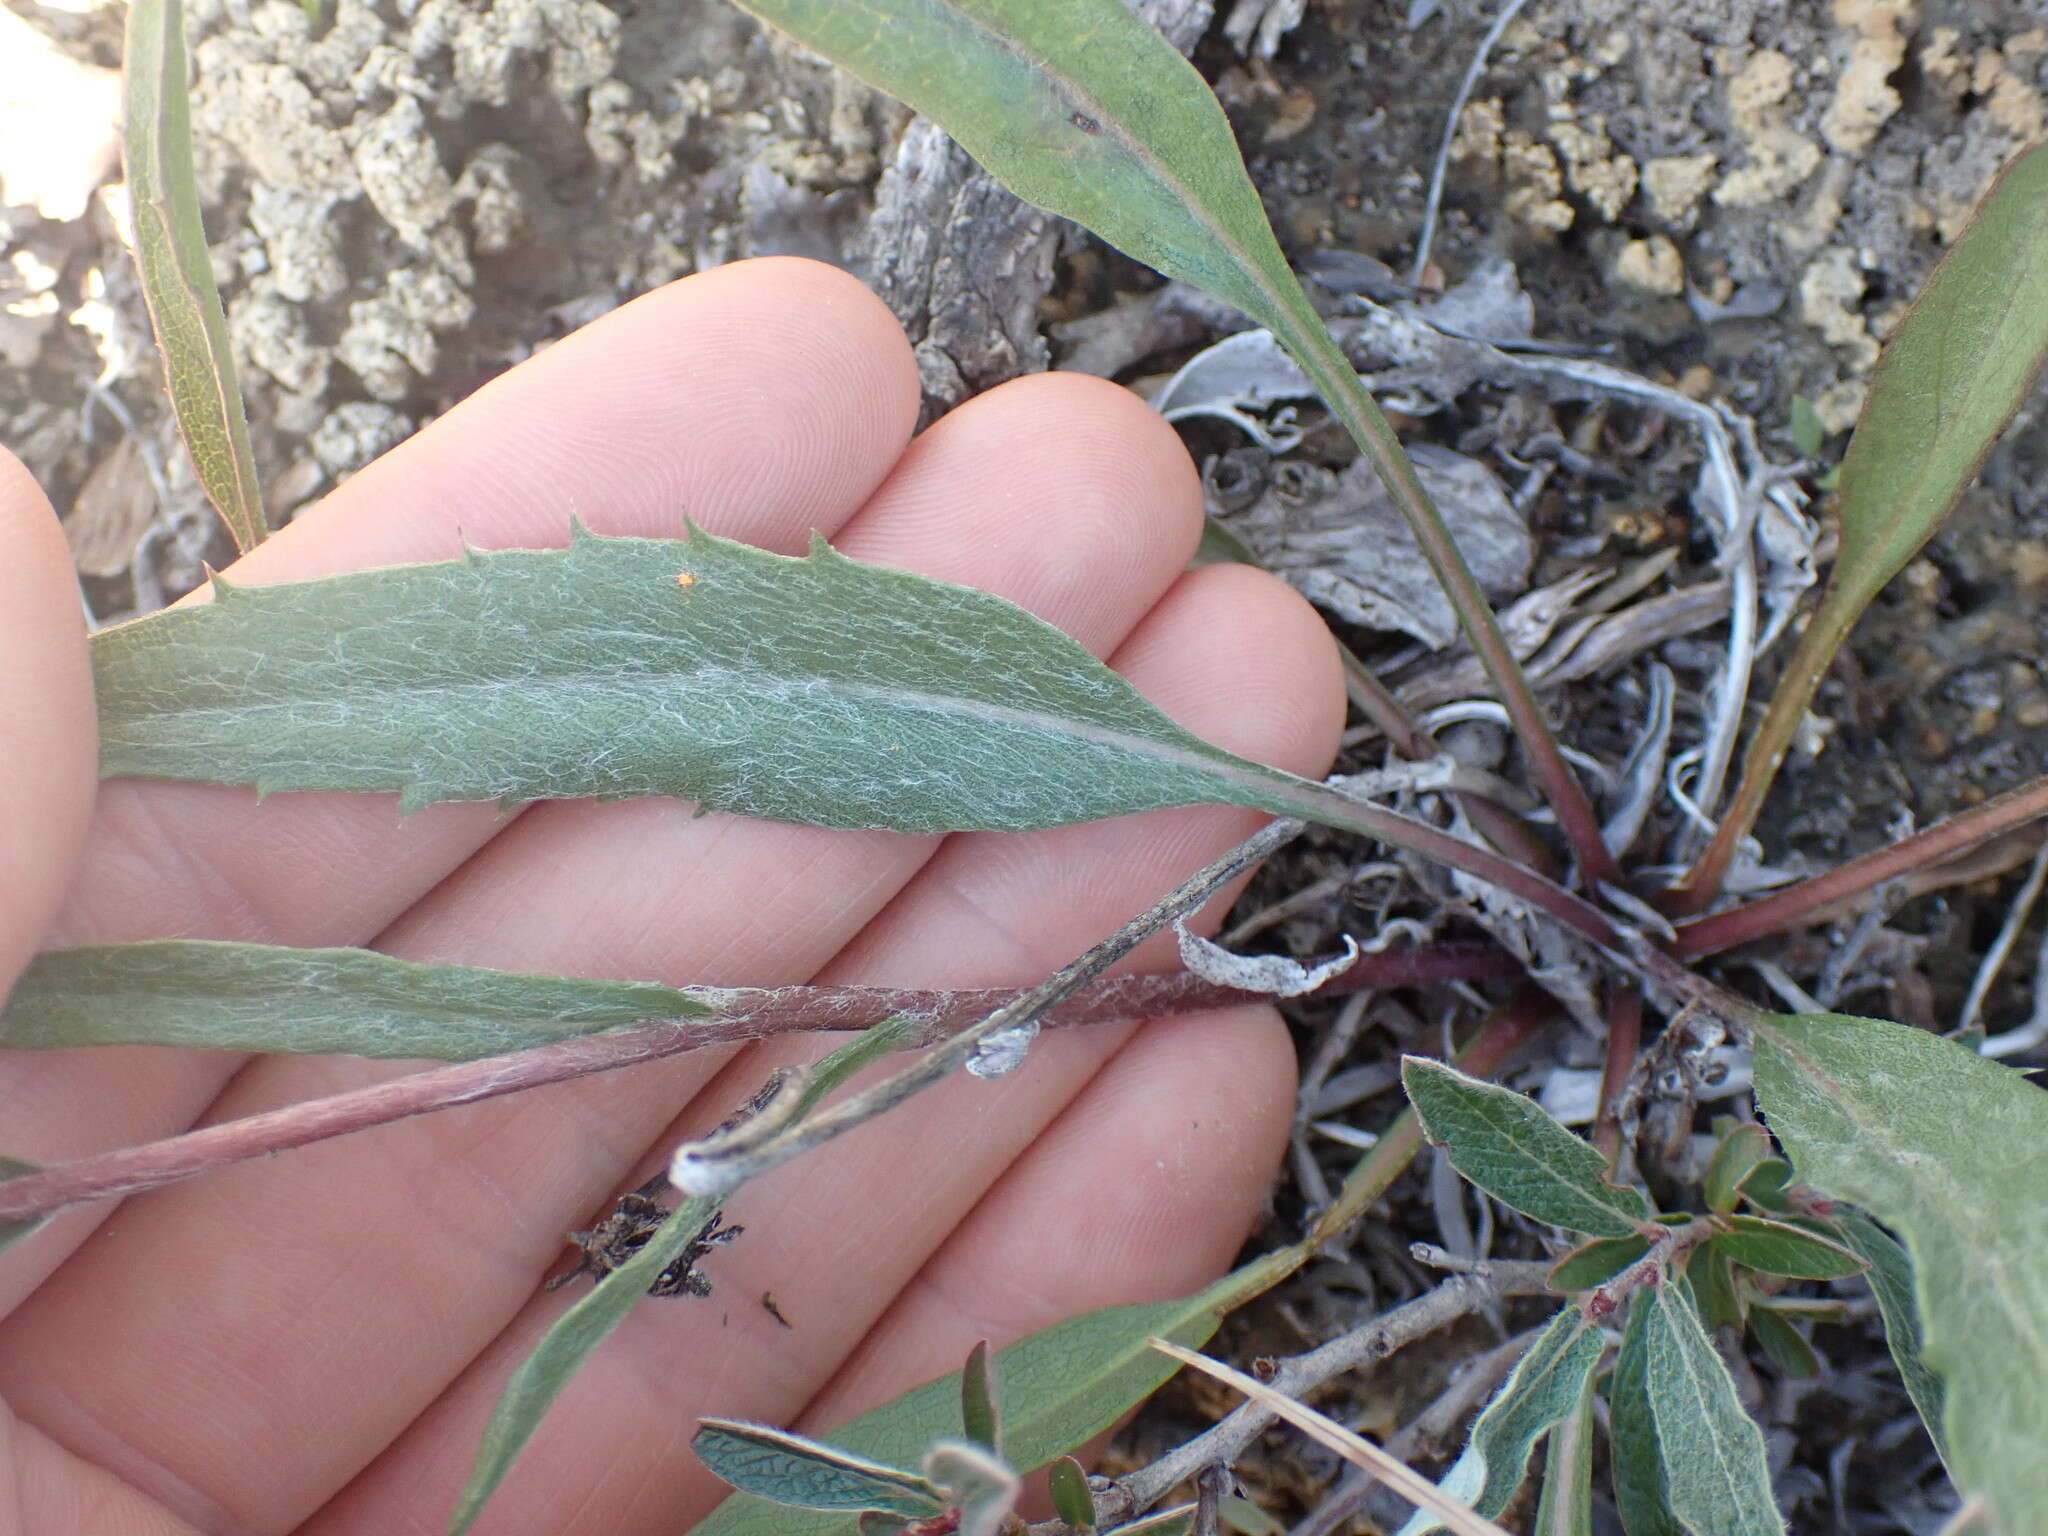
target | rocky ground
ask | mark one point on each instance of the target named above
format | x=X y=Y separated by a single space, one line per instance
x=1730 y=200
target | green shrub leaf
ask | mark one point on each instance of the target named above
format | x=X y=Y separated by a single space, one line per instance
x=1637 y=1467
x=1544 y=1388
x=1740 y=1153
x=806 y=1474
x=1566 y=1507
x=978 y=1412
x=204 y=995
x=1716 y=1479
x=1779 y=1248
x=1071 y=1499
x=1891 y=1282
x=1950 y=1151
x=1056 y=1390
x=1595 y=1262
x=177 y=271
x=1503 y=1142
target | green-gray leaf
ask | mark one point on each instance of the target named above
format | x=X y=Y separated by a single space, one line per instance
x=1779 y=1248
x=1545 y=1386
x=177 y=271
x=1961 y=361
x=806 y=1474
x=978 y=1401
x=1077 y=106
x=1950 y=1151
x=561 y=1352
x=1503 y=1142
x=1056 y=1390
x=1891 y=1282
x=568 y=1343
x=1716 y=1478
x=1637 y=1467
x=1566 y=1508
x=1071 y=1499
x=1595 y=1262
x=815 y=690
x=12 y=1232
x=204 y=995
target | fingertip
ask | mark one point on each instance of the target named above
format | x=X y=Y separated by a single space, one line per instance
x=1239 y=653
x=48 y=768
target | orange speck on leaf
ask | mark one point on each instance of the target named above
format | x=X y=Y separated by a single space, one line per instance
x=686 y=579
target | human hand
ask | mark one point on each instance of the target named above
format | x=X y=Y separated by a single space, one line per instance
x=314 y=1342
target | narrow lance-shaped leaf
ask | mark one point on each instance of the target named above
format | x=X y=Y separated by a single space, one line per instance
x=1056 y=1390
x=1082 y=108
x=1891 y=1282
x=577 y=1332
x=790 y=1469
x=1716 y=1478
x=1503 y=1142
x=816 y=690
x=1546 y=1385
x=177 y=271
x=204 y=995
x=1963 y=358
x=1950 y=1151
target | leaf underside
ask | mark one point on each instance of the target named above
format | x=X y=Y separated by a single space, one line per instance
x=793 y=1470
x=202 y=995
x=814 y=690
x=1950 y=1151
x=1717 y=1479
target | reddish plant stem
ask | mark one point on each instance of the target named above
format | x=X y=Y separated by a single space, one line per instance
x=750 y=1014
x=1738 y=925
x=1624 y=1038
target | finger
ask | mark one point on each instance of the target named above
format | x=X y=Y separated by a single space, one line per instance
x=1234 y=657
x=637 y=890
x=763 y=399
x=46 y=784
x=46 y=719
x=1142 y=1190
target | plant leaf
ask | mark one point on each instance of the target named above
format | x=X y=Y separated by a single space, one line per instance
x=1740 y=1153
x=1783 y=1342
x=806 y=1474
x=1637 y=1467
x=1595 y=1262
x=1712 y=1283
x=1071 y=1499
x=815 y=690
x=569 y=1341
x=561 y=1352
x=978 y=1402
x=204 y=995
x=1779 y=1248
x=12 y=1232
x=1949 y=1150
x=1961 y=361
x=1056 y=1390
x=1503 y=1142
x=177 y=271
x=1716 y=1478
x=1544 y=1388
x=1079 y=107
x=1566 y=1507
x=1891 y=1282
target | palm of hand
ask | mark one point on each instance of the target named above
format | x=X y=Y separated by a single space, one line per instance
x=314 y=1343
